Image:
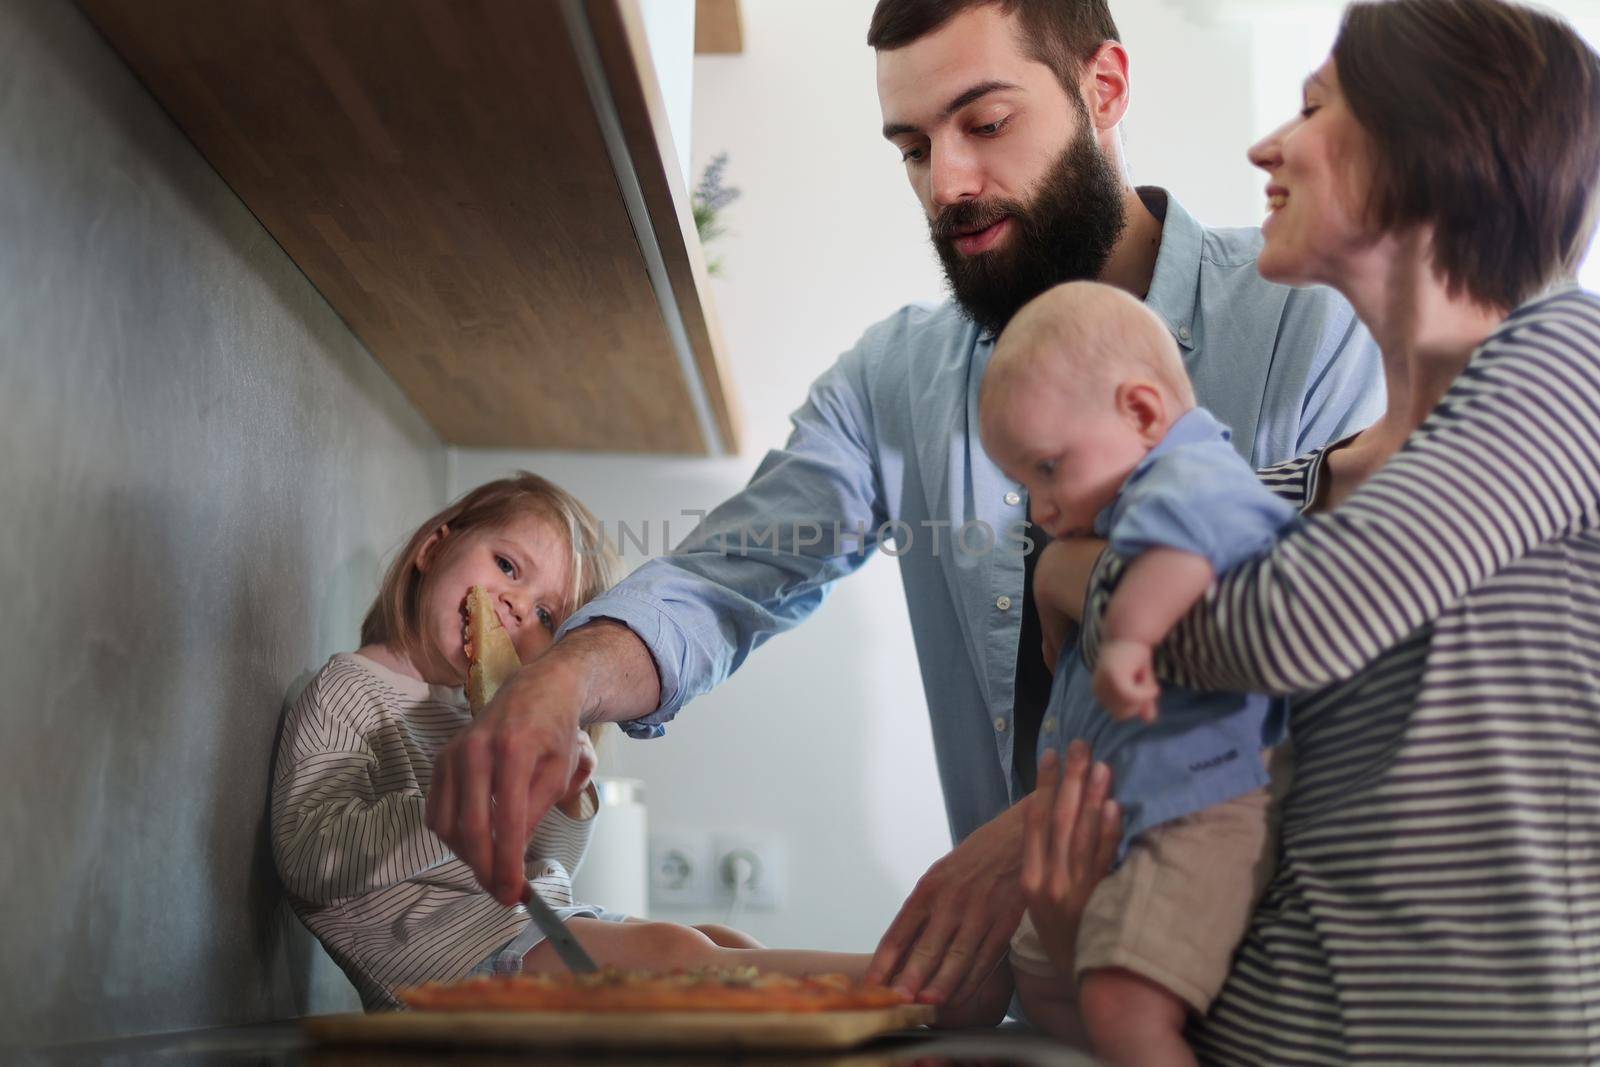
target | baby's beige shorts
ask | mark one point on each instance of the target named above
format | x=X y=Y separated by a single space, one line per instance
x=1178 y=906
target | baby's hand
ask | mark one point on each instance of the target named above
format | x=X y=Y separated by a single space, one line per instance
x=1125 y=681
x=571 y=803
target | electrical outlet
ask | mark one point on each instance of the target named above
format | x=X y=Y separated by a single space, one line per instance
x=763 y=889
x=680 y=871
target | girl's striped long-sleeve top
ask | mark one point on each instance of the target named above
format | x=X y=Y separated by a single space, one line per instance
x=1437 y=898
x=389 y=900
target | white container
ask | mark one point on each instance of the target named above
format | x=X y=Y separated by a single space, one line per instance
x=616 y=872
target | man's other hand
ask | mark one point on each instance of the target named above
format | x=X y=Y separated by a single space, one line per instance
x=957 y=924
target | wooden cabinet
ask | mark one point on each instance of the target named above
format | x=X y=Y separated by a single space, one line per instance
x=484 y=190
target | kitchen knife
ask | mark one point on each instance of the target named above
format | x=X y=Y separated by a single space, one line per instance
x=556 y=932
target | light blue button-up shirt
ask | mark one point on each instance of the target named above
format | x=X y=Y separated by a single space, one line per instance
x=885 y=454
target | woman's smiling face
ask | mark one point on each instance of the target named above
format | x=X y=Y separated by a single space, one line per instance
x=1315 y=230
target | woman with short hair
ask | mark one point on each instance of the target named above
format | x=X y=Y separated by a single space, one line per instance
x=1436 y=613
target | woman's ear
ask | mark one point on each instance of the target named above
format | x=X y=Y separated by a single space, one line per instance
x=1144 y=408
x=430 y=548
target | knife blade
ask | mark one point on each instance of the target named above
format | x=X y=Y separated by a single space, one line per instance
x=555 y=931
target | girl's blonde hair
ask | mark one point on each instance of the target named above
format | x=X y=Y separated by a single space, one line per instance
x=395 y=618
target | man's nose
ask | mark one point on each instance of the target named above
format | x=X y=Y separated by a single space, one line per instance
x=954 y=174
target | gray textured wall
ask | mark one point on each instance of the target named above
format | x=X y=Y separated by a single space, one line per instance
x=201 y=471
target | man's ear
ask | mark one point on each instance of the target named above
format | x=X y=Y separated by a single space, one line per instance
x=430 y=548
x=1105 y=85
x=1142 y=406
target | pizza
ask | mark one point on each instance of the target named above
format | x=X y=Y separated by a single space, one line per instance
x=743 y=989
x=490 y=655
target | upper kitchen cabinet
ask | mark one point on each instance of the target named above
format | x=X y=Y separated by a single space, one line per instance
x=485 y=190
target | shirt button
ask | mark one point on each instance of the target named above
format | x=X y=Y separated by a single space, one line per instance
x=999 y=725
x=1003 y=603
x=1013 y=498
x=1183 y=333
x=1050 y=726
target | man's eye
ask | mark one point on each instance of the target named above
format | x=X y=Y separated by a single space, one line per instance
x=1309 y=110
x=506 y=566
x=912 y=155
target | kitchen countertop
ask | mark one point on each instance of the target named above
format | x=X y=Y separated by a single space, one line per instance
x=282 y=1043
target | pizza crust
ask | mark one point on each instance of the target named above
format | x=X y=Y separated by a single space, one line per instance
x=491 y=656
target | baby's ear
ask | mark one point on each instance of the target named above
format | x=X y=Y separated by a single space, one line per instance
x=1144 y=406
x=430 y=548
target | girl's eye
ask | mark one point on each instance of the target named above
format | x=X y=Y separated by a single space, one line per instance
x=1046 y=467
x=508 y=568
x=547 y=620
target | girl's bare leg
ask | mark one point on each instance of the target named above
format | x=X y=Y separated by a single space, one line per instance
x=727 y=936
x=657 y=946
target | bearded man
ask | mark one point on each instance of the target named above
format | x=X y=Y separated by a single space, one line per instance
x=1007 y=115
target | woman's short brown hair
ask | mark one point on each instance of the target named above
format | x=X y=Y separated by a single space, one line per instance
x=1484 y=121
x=395 y=616
x=1061 y=34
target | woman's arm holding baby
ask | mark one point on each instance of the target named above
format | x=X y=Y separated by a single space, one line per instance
x=1507 y=462
x=1060 y=582
x=1158 y=588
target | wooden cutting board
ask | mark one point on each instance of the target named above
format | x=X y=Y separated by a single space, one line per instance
x=819 y=1030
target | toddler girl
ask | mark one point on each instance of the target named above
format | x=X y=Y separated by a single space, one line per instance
x=388 y=900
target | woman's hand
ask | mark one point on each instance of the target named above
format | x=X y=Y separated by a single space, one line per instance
x=1071 y=834
x=1060 y=581
x=571 y=804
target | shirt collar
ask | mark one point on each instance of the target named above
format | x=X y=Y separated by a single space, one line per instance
x=1177 y=275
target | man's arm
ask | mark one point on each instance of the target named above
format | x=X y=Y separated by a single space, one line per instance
x=756 y=566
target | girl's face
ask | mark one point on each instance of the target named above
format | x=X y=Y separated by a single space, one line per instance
x=1314 y=233
x=525 y=566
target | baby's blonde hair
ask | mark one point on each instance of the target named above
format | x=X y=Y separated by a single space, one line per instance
x=395 y=618
x=1090 y=337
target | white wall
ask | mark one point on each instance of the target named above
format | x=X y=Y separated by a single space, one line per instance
x=821 y=742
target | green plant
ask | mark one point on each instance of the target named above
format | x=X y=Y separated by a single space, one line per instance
x=710 y=197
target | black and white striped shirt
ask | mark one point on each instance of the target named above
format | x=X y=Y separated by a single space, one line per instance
x=1438 y=894
x=389 y=900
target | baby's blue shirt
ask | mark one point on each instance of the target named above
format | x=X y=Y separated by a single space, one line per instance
x=1195 y=493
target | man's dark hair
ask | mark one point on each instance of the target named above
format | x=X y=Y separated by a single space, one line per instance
x=1061 y=34
x=1484 y=121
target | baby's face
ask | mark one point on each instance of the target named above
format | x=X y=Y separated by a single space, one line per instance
x=1071 y=457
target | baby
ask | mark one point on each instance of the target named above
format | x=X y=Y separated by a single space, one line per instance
x=1086 y=403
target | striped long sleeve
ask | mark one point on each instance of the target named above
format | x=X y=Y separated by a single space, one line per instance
x=348 y=820
x=388 y=899
x=1508 y=461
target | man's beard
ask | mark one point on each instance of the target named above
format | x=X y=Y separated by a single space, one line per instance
x=1066 y=234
